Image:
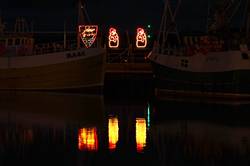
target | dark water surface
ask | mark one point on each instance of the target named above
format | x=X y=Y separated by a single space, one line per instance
x=41 y=129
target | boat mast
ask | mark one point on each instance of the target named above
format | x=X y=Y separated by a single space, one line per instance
x=168 y=25
x=81 y=20
x=208 y=14
x=2 y=25
x=224 y=13
x=247 y=19
x=21 y=25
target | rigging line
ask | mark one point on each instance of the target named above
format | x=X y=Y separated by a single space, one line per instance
x=244 y=17
x=86 y=14
x=84 y=10
x=177 y=8
x=234 y=11
x=208 y=14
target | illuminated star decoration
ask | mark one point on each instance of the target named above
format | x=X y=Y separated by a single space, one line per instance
x=141 y=38
x=113 y=38
x=88 y=34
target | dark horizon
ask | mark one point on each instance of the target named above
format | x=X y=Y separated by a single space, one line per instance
x=46 y=15
x=50 y=16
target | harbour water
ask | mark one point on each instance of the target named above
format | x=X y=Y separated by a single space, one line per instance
x=127 y=124
x=40 y=129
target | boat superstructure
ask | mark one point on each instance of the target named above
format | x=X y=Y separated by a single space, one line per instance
x=216 y=61
x=25 y=65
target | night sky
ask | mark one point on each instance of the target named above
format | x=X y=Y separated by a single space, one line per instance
x=126 y=15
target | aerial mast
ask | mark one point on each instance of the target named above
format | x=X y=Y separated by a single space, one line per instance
x=21 y=25
x=2 y=25
x=82 y=19
x=168 y=24
x=223 y=15
x=247 y=19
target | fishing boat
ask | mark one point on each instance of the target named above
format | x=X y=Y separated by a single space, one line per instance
x=215 y=63
x=27 y=66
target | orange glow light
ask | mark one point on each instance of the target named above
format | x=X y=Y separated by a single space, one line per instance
x=140 y=129
x=113 y=130
x=88 y=34
x=87 y=139
x=141 y=38
x=113 y=38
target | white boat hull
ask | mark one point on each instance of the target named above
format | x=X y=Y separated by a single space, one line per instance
x=76 y=69
x=218 y=72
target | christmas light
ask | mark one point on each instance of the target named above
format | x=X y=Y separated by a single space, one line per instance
x=141 y=38
x=113 y=38
x=140 y=134
x=88 y=34
x=87 y=139
x=113 y=132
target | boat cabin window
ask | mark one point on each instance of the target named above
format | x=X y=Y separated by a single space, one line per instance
x=10 y=42
x=29 y=42
x=2 y=42
x=17 y=42
x=22 y=41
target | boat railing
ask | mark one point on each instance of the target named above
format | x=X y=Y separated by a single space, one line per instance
x=60 y=46
x=39 y=49
x=127 y=55
x=189 y=50
x=46 y=48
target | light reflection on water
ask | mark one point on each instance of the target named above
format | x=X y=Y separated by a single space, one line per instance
x=49 y=129
x=87 y=139
x=140 y=134
x=113 y=132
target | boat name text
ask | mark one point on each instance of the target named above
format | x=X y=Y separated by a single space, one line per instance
x=212 y=59
x=75 y=54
